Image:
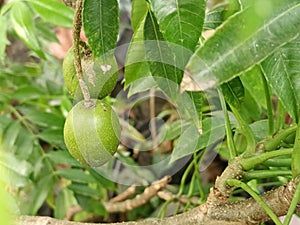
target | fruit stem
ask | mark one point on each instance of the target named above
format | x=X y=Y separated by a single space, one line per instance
x=77 y=24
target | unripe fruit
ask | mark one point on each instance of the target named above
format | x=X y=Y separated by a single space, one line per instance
x=92 y=134
x=99 y=76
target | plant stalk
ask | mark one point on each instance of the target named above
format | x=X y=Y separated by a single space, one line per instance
x=77 y=24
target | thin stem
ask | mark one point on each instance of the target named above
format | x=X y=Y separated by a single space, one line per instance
x=256 y=197
x=198 y=178
x=186 y=173
x=77 y=24
x=30 y=127
x=269 y=103
x=246 y=131
x=296 y=153
x=251 y=162
x=229 y=137
x=273 y=143
x=184 y=177
x=163 y=209
x=262 y=174
x=287 y=162
x=293 y=206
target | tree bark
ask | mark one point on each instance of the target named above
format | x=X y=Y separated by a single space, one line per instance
x=246 y=212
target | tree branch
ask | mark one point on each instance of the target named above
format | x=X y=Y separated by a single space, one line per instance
x=139 y=200
x=246 y=212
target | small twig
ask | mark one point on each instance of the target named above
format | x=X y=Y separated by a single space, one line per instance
x=121 y=203
x=124 y=195
x=77 y=24
x=167 y=196
x=139 y=200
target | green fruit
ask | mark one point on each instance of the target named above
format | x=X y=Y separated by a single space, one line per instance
x=100 y=75
x=92 y=134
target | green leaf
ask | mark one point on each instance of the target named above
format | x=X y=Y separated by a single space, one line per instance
x=163 y=66
x=24 y=144
x=6 y=7
x=54 y=12
x=282 y=72
x=244 y=40
x=197 y=98
x=215 y=16
x=233 y=92
x=40 y=193
x=3 y=38
x=213 y=19
x=249 y=108
x=220 y=13
x=64 y=201
x=26 y=93
x=173 y=130
x=7 y=206
x=180 y=21
x=252 y=81
x=91 y=205
x=213 y=129
x=138 y=12
x=137 y=71
x=76 y=175
x=52 y=136
x=10 y=136
x=22 y=21
x=13 y=171
x=83 y=189
x=62 y=157
x=46 y=33
x=44 y=119
x=101 y=25
x=4 y=98
x=186 y=144
x=260 y=129
x=16 y=139
x=105 y=183
x=53 y=87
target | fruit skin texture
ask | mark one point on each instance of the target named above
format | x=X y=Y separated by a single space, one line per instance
x=100 y=83
x=92 y=134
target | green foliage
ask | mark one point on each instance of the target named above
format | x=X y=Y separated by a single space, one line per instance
x=180 y=21
x=53 y=12
x=251 y=58
x=282 y=72
x=21 y=18
x=101 y=25
x=242 y=42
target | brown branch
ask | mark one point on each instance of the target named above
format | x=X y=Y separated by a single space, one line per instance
x=124 y=195
x=139 y=200
x=77 y=24
x=221 y=191
x=247 y=212
x=168 y=196
x=192 y=217
x=121 y=203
